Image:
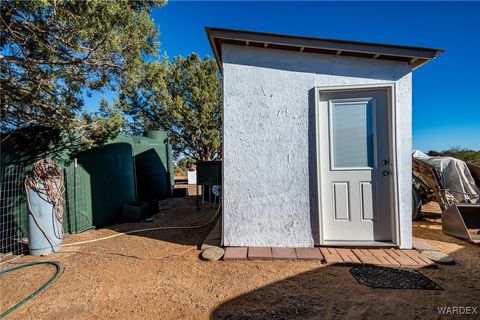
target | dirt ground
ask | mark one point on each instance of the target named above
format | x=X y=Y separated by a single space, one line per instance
x=140 y=277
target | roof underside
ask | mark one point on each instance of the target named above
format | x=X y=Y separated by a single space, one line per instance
x=415 y=56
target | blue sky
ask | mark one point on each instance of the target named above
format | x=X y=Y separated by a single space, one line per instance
x=446 y=91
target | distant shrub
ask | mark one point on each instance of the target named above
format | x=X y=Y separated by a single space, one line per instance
x=183 y=165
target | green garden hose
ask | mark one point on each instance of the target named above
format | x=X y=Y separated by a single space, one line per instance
x=57 y=265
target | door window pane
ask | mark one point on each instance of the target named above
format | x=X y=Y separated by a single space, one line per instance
x=351 y=134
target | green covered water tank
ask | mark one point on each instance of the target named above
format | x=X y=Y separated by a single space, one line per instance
x=111 y=176
x=98 y=181
x=153 y=166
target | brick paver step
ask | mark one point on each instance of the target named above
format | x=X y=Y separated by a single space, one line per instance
x=309 y=254
x=284 y=253
x=377 y=256
x=235 y=253
x=259 y=253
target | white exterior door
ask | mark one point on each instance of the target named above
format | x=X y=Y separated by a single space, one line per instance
x=355 y=167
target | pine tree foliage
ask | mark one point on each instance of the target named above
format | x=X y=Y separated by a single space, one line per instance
x=182 y=96
x=55 y=51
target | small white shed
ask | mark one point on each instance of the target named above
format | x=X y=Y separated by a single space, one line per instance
x=316 y=140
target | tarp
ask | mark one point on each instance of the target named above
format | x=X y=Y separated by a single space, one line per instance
x=454 y=175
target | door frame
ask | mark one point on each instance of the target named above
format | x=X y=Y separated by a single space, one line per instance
x=389 y=87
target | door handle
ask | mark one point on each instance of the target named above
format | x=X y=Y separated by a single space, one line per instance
x=386 y=173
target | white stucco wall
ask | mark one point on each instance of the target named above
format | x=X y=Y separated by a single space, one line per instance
x=269 y=166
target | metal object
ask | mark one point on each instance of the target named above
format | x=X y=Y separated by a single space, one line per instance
x=416 y=204
x=459 y=220
x=462 y=221
x=384 y=162
x=427 y=180
x=13 y=215
x=209 y=174
x=386 y=173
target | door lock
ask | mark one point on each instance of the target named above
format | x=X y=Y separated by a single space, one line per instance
x=384 y=162
x=386 y=173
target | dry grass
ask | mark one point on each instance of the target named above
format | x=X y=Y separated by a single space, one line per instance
x=103 y=280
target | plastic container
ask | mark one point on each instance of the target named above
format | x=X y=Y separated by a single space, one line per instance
x=152 y=166
x=110 y=180
x=135 y=211
x=45 y=232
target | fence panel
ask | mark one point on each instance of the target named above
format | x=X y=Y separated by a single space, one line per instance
x=78 y=199
x=13 y=207
x=13 y=211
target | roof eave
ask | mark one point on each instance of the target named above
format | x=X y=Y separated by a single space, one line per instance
x=214 y=47
x=415 y=56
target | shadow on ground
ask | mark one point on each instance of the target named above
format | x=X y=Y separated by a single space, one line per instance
x=175 y=212
x=327 y=292
x=431 y=215
x=331 y=292
x=298 y=297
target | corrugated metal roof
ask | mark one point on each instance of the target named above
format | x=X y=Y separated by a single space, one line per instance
x=415 y=56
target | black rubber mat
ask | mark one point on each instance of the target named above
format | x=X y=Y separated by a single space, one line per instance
x=392 y=278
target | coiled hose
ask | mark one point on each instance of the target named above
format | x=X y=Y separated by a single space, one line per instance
x=60 y=268
x=57 y=274
x=47 y=180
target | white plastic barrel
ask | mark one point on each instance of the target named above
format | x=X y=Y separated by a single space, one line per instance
x=45 y=232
